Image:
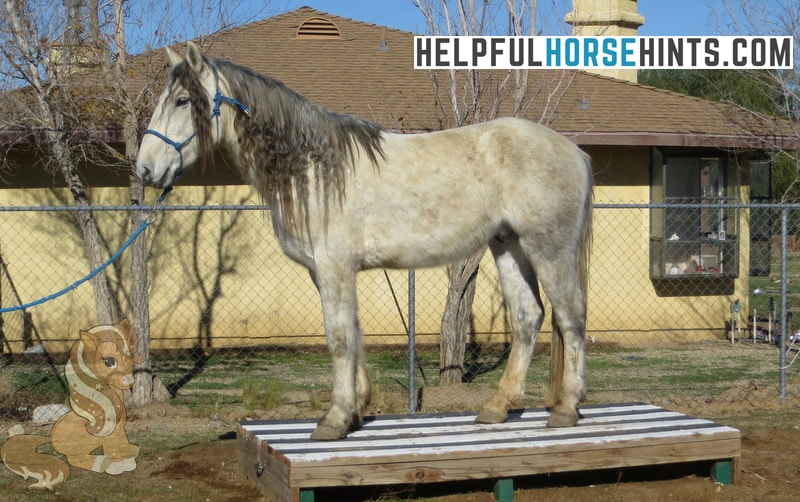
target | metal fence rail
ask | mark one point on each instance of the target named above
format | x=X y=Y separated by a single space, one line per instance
x=659 y=338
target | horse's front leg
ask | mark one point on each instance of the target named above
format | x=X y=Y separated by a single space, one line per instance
x=121 y=452
x=350 y=383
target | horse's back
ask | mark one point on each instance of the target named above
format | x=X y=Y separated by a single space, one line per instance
x=489 y=150
x=505 y=164
x=439 y=196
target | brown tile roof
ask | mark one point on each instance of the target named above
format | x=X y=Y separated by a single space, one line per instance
x=607 y=111
x=350 y=73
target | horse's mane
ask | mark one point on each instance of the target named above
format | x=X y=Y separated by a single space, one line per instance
x=92 y=394
x=286 y=135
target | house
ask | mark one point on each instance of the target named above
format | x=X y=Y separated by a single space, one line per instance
x=670 y=273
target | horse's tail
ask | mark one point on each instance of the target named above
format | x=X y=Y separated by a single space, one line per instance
x=583 y=255
x=585 y=244
x=20 y=456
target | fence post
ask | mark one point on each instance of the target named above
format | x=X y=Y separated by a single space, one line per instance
x=784 y=300
x=412 y=350
x=3 y=341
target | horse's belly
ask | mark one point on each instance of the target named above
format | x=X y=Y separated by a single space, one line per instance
x=420 y=249
x=424 y=228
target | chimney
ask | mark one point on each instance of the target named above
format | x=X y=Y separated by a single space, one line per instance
x=611 y=18
x=74 y=53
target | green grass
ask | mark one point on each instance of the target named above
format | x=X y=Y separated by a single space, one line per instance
x=259 y=380
x=683 y=375
x=772 y=289
x=262 y=394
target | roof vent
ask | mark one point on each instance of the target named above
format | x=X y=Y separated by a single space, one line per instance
x=318 y=28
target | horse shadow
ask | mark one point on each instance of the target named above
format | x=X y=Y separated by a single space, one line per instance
x=477 y=364
x=201 y=358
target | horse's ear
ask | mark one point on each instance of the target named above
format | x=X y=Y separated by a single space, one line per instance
x=89 y=339
x=173 y=58
x=133 y=340
x=194 y=57
x=125 y=325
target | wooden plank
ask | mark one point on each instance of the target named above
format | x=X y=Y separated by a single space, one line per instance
x=260 y=454
x=274 y=487
x=630 y=411
x=451 y=447
x=482 y=467
x=493 y=442
x=736 y=470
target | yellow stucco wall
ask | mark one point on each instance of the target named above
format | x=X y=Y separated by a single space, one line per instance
x=269 y=299
x=621 y=291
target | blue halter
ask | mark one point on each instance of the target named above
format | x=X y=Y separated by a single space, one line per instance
x=219 y=98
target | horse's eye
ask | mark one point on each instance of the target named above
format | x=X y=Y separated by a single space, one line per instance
x=182 y=102
x=110 y=362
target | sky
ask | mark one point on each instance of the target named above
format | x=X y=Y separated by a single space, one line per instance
x=662 y=17
x=191 y=18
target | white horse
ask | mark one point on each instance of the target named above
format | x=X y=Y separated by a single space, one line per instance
x=345 y=196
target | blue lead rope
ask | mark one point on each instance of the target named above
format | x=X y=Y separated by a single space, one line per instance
x=94 y=272
x=218 y=99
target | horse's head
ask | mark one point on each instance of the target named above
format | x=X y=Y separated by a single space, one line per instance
x=186 y=122
x=108 y=353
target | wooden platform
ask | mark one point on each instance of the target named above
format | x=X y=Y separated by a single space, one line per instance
x=281 y=460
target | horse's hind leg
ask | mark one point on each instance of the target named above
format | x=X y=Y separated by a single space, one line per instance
x=337 y=290
x=363 y=387
x=524 y=303
x=563 y=288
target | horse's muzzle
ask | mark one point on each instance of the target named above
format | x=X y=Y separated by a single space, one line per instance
x=143 y=173
x=147 y=176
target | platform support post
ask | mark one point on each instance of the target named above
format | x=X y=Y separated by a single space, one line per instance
x=504 y=490
x=306 y=495
x=722 y=472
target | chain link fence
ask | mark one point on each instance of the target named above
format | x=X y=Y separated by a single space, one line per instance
x=678 y=316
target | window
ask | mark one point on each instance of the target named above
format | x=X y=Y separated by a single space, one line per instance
x=760 y=218
x=699 y=236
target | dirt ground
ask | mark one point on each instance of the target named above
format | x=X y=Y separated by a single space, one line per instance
x=188 y=458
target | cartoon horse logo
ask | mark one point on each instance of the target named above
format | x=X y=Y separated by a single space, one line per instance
x=100 y=367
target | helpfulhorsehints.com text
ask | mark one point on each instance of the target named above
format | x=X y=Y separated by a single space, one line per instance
x=435 y=52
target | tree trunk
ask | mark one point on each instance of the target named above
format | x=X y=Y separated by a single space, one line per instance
x=456 y=318
x=147 y=387
x=105 y=307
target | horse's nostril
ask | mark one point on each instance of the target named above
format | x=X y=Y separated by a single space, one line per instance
x=144 y=173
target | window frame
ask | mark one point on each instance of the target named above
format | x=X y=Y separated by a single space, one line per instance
x=699 y=238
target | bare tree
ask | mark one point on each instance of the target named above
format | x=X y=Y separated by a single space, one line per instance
x=72 y=61
x=776 y=17
x=51 y=117
x=471 y=96
x=147 y=386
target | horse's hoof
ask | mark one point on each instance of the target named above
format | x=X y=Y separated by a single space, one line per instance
x=558 y=419
x=328 y=433
x=121 y=466
x=491 y=417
